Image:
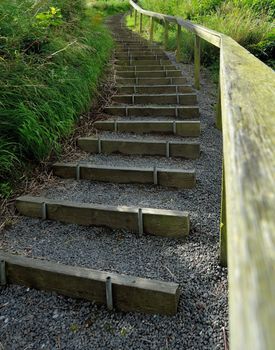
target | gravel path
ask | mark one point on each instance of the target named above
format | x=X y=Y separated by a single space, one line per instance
x=31 y=319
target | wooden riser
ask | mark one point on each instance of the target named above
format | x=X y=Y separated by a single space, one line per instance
x=138 y=52
x=143 y=68
x=140 y=56
x=180 y=128
x=162 y=62
x=153 y=89
x=159 y=222
x=151 y=81
x=129 y=293
x=136 y=47
x=185 y=112
x=152 y=74
x=161 y=177
x=140 y=147
x=176 y=99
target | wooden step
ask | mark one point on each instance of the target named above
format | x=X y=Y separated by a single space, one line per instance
x=129 y=293
x=181 y=128
x=185 y=112
x=140 y=147
x=134 y=62
x=159 y=222
x=135 y=47
x=154 y=89
x=137 y=52
x=160 y=99
x=143 y=68
x=151 y=81
x=152 y=74
x=140 y=56
x=127 y=175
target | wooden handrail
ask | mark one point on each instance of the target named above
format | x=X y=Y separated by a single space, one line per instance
x=247 y=100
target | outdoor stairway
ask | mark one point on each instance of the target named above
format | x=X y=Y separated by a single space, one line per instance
x=152 y=104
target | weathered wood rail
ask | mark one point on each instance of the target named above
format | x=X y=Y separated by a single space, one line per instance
x=247 y=102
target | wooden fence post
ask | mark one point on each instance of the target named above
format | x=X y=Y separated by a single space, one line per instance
x=135 y=18
x=152 y=21
x=223 y=228
x=197 y=61
x=178 y=54
x=140 y=23
x=166 y=28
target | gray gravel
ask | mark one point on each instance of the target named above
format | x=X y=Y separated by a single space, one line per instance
x=31 y=319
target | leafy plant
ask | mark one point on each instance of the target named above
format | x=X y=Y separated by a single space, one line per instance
x=52 y=17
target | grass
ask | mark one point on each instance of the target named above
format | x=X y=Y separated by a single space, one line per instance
x=51 y=59
x=109 y=7
x=249 y=22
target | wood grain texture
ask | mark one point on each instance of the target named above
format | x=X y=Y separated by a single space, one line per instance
x=129 y=293
x=248 y=106
x=166 y=177
x=159 y=222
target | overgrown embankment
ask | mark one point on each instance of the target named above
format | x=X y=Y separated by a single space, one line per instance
x=51 y=57
x=249 y=22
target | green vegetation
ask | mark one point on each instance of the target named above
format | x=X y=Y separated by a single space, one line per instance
x=110 y=7
x=249 y=22
x=52 y=54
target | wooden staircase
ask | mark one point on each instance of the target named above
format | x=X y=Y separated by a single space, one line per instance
x=152 y=98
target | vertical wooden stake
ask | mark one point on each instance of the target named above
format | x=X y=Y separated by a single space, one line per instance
x=140 y=23
x=219 y=111
x=178 y=54
x=223 y=228
x=152 y=21
x=197 y=61
x=135 y=18
x=166 y=28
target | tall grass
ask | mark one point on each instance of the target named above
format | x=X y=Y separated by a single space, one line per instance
x=249 y=22
x=49 y=70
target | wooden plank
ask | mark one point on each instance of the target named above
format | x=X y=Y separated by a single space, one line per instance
x=247 y=96
x=130 y=293
x=184 y=112
x=171 y=223
x=176 y=224
x=140 y=23
x=160 y=99
x=184 y=150
x=140 y=147
x=160 y=89
x=182 y=128
x=134 y=147
x=166 y=177
x=179 y=37
x=178 y=179
x=152 y=22
x=166 y=33
x=197 y=61
x=223 y=227
x=146 y=74
x=150 y=81
x=80 y=213
x=135 y=21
